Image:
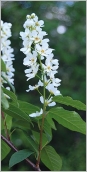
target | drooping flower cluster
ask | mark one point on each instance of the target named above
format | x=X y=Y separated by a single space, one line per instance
x=7 y=52
x=39 y=57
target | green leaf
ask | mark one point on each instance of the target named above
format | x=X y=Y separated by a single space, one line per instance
x=5 y=149
x=37 y=138
x=31 y=142
x=19 y=156
x=70 y=102
x=69 y=119
x=15 y=112
x=51 y=159
x=47 y=130
x=8 y=120
x=4 y=101
x=27 y=107
x=22 y=124
x=3 y=66
x=50 y=121
x=11 y=95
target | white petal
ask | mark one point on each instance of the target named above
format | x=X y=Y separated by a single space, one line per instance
x=52 y=104
x=33 y=115
x=42 y=99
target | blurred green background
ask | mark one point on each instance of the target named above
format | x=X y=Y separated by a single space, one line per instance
x=69 y=42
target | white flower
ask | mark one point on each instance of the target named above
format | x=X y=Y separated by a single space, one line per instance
x=48 y=102
x=32 y=16
x=49 y=67
x=7 y=51
x=5 y=29
x=43 y=50
x=36 y=49
x=29 y=23
x=39 y=23
x=34 y=87
x=30 y=73
x=56 y=82
x=36 y=114
x=27 y=47
x=30 y=59
x=51 y=60
x=44 y=41
x=52 y=89
x=37 y=36
x=26 y=34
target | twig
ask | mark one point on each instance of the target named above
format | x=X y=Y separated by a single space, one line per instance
x=15 y=149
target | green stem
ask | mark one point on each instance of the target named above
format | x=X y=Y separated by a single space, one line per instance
x=42 y=124
x=38 y=76
x=39 y=92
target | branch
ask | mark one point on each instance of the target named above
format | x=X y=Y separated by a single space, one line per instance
x=15 y=149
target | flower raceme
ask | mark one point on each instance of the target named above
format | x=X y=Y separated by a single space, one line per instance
x=39 y=59
x=7 y=52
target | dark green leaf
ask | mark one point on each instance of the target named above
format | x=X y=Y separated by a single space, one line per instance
x=51 y=159
x=22 y=124
x=19 y=156
x=70 y=102
x=69 y=119
x=5 y=149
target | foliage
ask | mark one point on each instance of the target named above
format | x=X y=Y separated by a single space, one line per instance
x=72 y=70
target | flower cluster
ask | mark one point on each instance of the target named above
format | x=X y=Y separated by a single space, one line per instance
x=39 y=57
x=7 y=52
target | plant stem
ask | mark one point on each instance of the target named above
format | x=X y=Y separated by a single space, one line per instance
x=42 y=124
x=15 y=149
